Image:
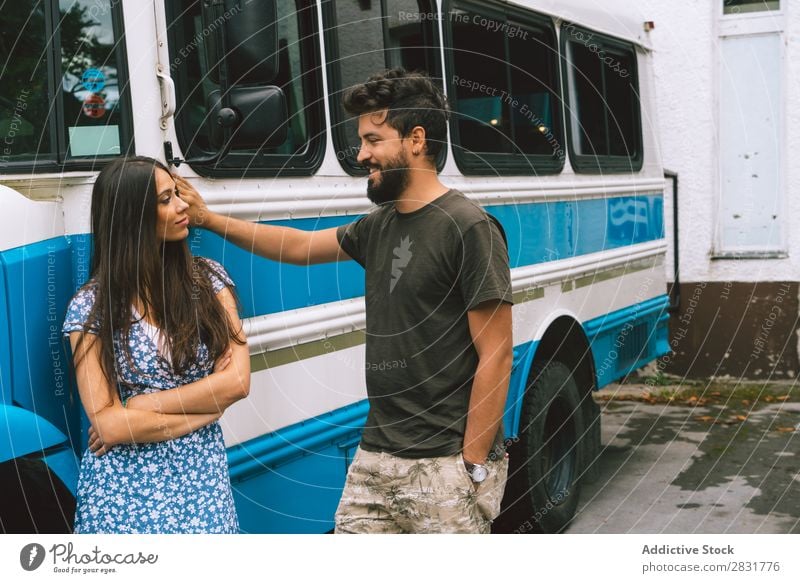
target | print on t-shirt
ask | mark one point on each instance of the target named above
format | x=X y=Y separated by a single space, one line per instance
x=402 y=255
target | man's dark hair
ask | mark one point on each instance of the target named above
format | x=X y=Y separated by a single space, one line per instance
x=411 y=98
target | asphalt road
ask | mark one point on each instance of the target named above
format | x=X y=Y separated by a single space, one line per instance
x=711 y=461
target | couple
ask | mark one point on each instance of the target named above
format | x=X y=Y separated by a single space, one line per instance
x=431 y=458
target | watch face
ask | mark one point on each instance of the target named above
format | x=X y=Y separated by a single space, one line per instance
x=479 y=473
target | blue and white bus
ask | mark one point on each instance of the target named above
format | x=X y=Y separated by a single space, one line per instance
x=552 y=131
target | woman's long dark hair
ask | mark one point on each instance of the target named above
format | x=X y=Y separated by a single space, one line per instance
x=130 y=262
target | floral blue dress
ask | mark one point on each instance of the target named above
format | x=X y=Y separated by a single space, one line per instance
x=176 y=486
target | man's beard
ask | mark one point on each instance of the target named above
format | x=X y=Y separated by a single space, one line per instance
x=394 y=180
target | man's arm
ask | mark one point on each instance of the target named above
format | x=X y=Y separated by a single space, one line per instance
x=277 y=243
x=490 y=327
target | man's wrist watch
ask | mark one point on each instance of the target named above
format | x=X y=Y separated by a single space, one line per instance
x=477 y=472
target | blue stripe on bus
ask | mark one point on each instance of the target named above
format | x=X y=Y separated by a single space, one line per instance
x=536 y=232
x=627 y=339
x=523 y=358
x=548 y=231
x=290 y=481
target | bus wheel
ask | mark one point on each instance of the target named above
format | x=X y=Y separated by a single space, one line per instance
x=544 y=475
x=34 y=499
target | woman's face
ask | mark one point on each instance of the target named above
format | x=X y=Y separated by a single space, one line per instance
x=172 y=222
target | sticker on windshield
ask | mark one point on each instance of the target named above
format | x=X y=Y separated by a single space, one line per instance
x=93 y=79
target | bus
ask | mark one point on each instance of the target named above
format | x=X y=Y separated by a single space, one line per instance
x=552 y=130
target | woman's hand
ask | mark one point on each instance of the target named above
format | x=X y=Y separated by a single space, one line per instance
x=96 y=445
x=223 y=361
x=198 y=211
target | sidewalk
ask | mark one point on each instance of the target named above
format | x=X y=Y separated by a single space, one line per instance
x=701 y=457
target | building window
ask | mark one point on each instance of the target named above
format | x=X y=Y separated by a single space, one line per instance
x=504 y=84
x=603 y=102
x=63 y=100
x=298 y=76
x=748 y=6
x=365 y=37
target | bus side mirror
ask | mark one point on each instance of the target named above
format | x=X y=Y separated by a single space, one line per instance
x=257 y=117
x=249 y=34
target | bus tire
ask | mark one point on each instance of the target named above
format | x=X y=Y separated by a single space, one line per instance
x=34 y=500
x=545 y=476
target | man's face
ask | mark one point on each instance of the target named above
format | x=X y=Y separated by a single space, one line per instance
x=383 y=152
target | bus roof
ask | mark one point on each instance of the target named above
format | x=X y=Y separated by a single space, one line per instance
x=619 y=18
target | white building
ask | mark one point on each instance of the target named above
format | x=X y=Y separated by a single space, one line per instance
x=728 y=89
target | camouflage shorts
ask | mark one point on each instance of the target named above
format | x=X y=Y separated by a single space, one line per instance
x=389 y=494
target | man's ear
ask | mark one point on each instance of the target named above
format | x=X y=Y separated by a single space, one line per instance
x=418 y=141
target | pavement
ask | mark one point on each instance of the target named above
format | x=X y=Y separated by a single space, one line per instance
x=706 y=458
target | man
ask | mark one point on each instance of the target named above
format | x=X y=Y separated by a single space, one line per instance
x=438 y=301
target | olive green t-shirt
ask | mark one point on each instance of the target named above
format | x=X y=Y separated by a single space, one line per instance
x=424 y=270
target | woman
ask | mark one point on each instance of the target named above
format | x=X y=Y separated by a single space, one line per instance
x=159 y=355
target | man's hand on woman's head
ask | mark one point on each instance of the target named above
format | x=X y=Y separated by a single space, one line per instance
x=197 y=211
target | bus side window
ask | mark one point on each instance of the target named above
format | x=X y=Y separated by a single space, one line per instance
x=480 y=82
x=603 y=106
x=297 y=76
x=504 y=89
x=362 y=39
x=24 y=104
x=61 y=101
